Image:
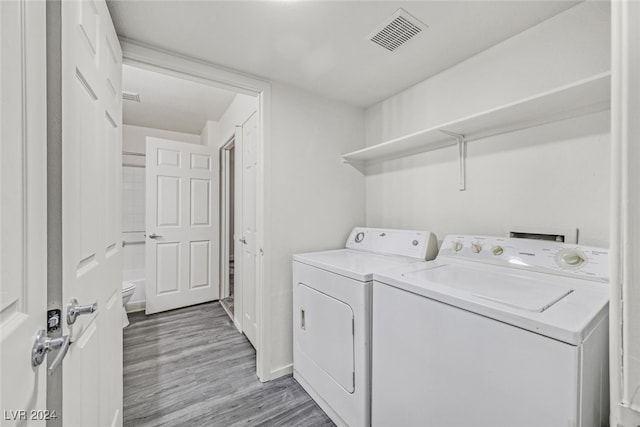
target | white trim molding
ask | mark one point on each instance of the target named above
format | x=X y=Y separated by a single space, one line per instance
x=174 y=64
x=625 y=215
x=282 y=371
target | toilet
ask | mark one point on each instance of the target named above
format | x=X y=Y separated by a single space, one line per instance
x=128 y=288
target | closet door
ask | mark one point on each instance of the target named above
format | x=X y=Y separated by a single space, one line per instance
x=248 y=238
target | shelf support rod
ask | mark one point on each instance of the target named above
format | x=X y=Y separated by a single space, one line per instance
x=462 y=154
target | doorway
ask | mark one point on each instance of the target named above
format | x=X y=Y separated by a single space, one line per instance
x=259 y=91
x=170 y=201
x=227 y=224
x=239 y=246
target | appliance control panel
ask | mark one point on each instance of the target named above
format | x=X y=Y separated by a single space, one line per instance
x=418 y=244
x=539 y=255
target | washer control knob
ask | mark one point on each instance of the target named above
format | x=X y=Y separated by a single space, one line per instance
x=570 y=258
x=476 y=248
x=359 y=237
x=497 y=250
x=457 y=246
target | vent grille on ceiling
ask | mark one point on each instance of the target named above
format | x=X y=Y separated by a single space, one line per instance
x=130 y=96
x=397 y=30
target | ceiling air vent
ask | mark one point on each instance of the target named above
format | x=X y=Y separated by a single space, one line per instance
x=130 y=96
x=397 y=30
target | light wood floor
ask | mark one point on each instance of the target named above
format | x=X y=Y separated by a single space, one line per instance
x=191 y=367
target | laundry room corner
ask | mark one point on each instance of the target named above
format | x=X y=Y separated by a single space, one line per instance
x=512 y=178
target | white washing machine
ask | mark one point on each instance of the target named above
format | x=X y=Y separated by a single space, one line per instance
x=332 y=317
x=495 y=332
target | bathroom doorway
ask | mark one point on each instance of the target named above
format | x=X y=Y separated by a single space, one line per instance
x=227 y=225
x=161 y=107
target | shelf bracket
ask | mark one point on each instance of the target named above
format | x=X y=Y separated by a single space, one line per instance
x=462 y=154
x=358 y=164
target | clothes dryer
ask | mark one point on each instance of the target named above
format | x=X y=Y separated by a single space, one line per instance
x=332 y=316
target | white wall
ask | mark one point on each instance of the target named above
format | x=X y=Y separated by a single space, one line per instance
x=312 y=199
x=133 y=229
x=133 y=199
x=552 y=176
x=236 y=114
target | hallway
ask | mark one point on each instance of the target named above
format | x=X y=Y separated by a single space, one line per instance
x=191 y=366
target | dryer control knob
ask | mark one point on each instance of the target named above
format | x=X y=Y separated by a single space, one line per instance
x=497 y=250
x=570 y=258
x=457 y=246
x=476 y=248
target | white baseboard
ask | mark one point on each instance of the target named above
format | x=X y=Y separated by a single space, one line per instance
x=132 y=307
x=226 y=310
x=280 y=372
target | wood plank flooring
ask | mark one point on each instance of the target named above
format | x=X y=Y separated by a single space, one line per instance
x=191 y=367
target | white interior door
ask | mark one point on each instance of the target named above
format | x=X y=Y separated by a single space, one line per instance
x=248 y=239
x=23 y=210
x=181 y=259
x=91 y=212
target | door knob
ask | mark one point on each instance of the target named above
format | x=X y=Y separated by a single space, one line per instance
x=44 y=344
x=154 y=236
x=74 y=310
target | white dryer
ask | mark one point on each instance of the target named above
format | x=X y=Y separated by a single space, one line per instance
x=497 y=332
x=332 y=316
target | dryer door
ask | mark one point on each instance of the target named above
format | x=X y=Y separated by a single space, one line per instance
x=324 y=332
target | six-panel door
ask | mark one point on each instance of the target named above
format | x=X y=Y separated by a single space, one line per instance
x=91 y=210
x=181 y=245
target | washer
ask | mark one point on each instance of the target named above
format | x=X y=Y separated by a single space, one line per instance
x=495 y=332
x=332 y=316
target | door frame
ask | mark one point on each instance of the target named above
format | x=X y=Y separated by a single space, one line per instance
x=624 y=208
x=177 y=65
x=225 y=232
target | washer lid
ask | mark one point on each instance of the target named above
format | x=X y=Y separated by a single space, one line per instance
x=563 y=308
x=514 y=290
x=357 y=265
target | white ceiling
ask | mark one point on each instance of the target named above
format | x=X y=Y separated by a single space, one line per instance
x=170 y=103
x=322 y=46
